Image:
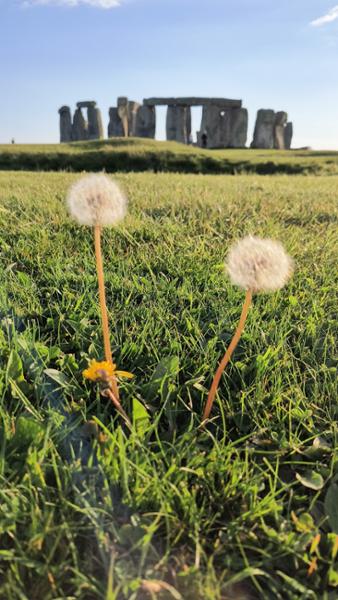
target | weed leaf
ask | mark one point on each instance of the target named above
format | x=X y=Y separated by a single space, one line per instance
x=140 y=417
x=311 y=480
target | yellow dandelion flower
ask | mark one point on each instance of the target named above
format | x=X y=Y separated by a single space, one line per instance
x=101 y=371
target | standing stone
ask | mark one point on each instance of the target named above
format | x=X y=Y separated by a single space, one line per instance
x=215 y=126
x=264 y=129
x=279 y=132
x=95 y=127
x=288 y=133
x=122 y=111
x=133 y=108
x=188 y=124
x=239 y=128
x=80 y=126
x=183 y=124
x=146 y=122
x=65 y=124
x=179 y=123
x=115 y=125
x=171 y=123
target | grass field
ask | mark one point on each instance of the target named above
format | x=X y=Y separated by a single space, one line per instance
x=134 y=154
x=245 y=508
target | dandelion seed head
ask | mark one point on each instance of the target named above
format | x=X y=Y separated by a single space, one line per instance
x=259 y=265
x=96 y=200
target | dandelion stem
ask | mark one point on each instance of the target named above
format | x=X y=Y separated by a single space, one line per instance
x=103 y=305
x=227 y=356
x=118 y=406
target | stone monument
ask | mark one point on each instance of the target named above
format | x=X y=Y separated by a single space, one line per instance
x=224 y=122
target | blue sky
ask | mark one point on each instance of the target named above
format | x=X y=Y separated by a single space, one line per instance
x=271 y=54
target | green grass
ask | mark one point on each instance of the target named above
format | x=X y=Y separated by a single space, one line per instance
x=149 y=155
x=224 y=512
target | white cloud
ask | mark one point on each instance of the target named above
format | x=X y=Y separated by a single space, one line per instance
x=332 y=15
x=96 y=3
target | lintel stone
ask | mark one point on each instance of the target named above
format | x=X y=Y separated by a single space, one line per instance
x=193 y=101
x=86 y=104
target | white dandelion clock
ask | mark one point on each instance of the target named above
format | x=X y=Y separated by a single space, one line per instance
x=96 y=200
x=255 y=265
x=259 y=265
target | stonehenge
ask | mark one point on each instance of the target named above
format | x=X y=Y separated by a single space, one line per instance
x=224 y=122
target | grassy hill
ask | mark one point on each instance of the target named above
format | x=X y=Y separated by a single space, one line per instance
x=245 y=508
x=149 y=155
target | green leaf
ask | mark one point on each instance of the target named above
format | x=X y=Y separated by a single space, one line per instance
x=331 y=507
x=320 y=444
x=297 y=586
x=244 y=574
x=14 y=375
x=14 y=369
x=158 y=385
x=319 y=447
x=141 y=417
x=58 y=377
x=34 y=357
x=7 y=554
x=311 y=480
x=333 y=577
x=305 y=523
x=24 y=279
